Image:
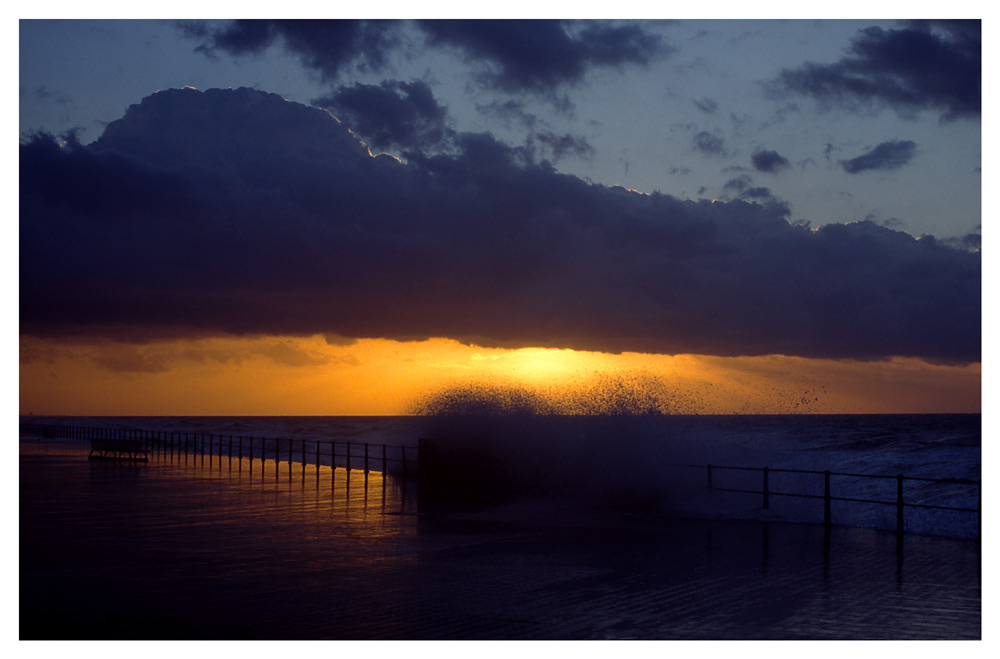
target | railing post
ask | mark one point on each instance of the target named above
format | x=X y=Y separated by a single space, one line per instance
x=348 y=457
x=979 y=512
x=765 y=491
x=384 y=470
x=899 y=504
x=708 y=471
x=827 y=518
x=366 y=458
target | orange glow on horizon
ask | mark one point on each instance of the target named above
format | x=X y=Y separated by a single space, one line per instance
x=286 y=375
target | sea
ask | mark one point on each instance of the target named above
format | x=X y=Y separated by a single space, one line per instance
x=667 y=455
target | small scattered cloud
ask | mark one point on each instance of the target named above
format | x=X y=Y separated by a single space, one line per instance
x=288 y=355
x=758 y=193
x=892 y=223
x=971 y=241
x=510 y=111
x=557 y=147
x=886 y=156
x=710 y=144
x=707 y=105
x=127 y=358
x=742 y=187
x=768 y=161
x=738 y=184
x=541 y=140
x=44 y=94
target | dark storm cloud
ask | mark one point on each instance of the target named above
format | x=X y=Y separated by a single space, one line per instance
x=886 y=157
x=236 y=211
x=768 y=161
x=538 y=55
x=925 y=65
x=520 y=55
x=326 y=46
x=403 y=114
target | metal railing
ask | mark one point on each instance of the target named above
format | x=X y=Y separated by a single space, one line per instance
x=396 y=460
x=402 y=461
x=900 y=502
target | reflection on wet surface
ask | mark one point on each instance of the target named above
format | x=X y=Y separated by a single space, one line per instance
x=191 y=547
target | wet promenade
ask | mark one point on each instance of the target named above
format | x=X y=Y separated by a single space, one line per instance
x=182 y=549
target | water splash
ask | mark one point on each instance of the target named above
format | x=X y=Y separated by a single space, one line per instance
x=631 y=393
x=607 y=438
x=479 y=399
x=620 y=393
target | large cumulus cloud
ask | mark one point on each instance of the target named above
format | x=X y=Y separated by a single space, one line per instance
x=236 y=211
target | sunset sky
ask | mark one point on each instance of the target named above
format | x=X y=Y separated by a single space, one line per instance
x=345 y=217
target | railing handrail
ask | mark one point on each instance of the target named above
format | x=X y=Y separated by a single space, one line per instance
x=368 y=458
x=899 y=503
x=820 y=472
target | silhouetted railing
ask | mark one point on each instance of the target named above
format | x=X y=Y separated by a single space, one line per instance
x=401 y=461
x=900 y=502
x=396 y=460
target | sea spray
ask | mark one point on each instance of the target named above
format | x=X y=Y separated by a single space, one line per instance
x=599 y=442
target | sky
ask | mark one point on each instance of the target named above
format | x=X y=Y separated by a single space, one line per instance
x=343 y=217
